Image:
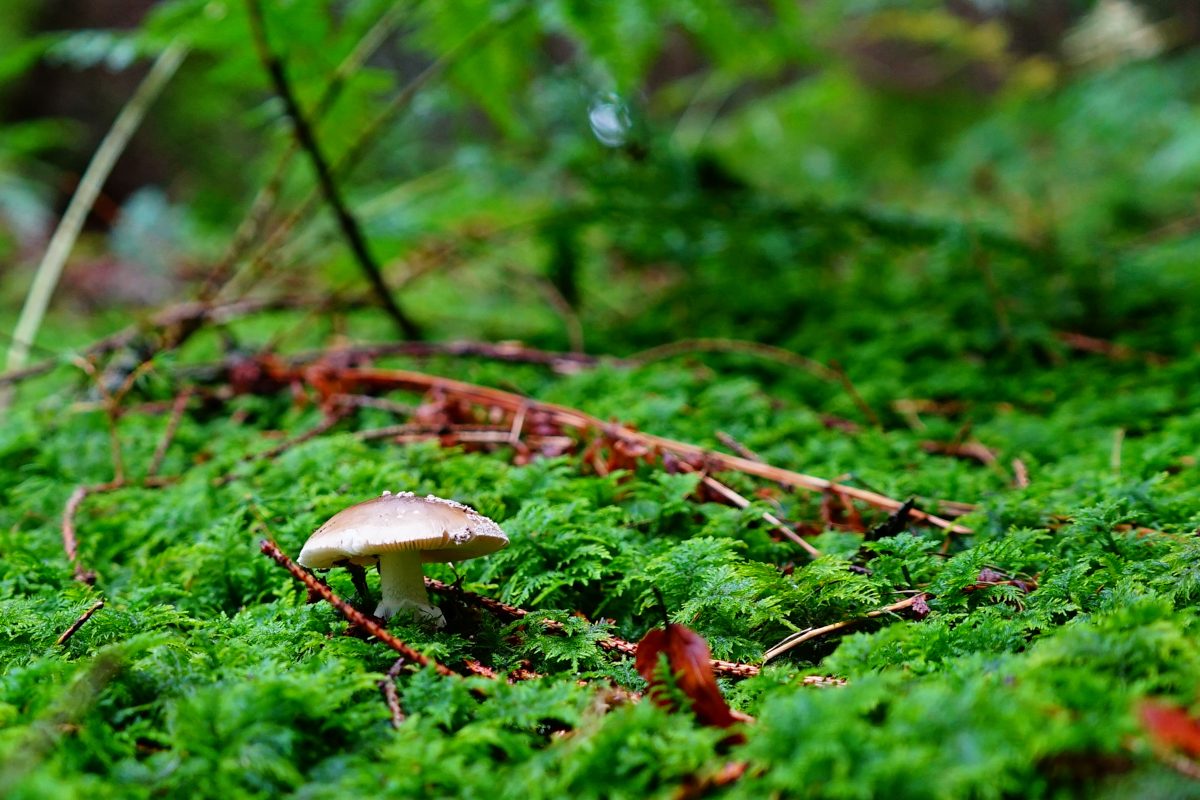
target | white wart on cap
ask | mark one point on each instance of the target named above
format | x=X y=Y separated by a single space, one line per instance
x=399 y=532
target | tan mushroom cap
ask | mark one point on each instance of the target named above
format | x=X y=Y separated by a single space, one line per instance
x=442 y=530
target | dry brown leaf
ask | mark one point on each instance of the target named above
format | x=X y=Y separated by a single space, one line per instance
x=688 y=657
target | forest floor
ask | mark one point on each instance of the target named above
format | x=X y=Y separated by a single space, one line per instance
x=1029 y=625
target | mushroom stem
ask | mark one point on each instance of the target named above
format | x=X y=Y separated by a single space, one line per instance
x=403 y=585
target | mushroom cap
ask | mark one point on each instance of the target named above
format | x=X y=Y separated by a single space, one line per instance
x=442 y=530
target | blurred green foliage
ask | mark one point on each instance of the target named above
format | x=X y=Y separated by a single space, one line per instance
x=922 y=191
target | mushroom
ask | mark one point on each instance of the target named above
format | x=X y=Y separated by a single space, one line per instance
x=399 y=532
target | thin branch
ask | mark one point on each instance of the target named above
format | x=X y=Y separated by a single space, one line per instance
x=69 y=531
x=735 y=499
x=812 y=633
x=573 y=418
x=356 y=617
x=741 y=502
x=848 y=385
x=264 y=202
x=1020 y=474
x=512 y=613
x=469 y=44
x=160 y=452
x=307 y=140
x=197 y=313
x=1117 y=352
x=63 y=240
x=71 y=510
x=77 y=624
x=327 y=422
x=390 y=695
x=737 y=447
x=745 y=452
x=499 y=351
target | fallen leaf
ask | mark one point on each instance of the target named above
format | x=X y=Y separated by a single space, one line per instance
x=688 y=657
x=1171 y=727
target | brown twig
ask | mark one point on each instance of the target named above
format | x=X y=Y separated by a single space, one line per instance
x=745 y=452
x=327 y=422
x=499 y=351
x=741 y=502
x=449 y=435
x=160 y=452
x=390 y=695
x=737 y=447
x=566 y=417
x=735 y=499
x=351 y=230
x=1020 y=474
x=71 y=510
x=573 y=418
x=356 y=618
x=513 y=613
x=851 y=390
x=803 y=636
x=973 y=450
x=77 y=624
x=1117 y=352
x=264 y=202
x=69 y=532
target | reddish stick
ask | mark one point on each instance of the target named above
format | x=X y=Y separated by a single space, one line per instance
x=168 y=436
x=350 y=612
x=570 y=417
x=75 y=626
x=70 y=541
x=512 y=613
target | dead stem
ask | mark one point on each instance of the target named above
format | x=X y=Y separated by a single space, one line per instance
x=77 y=624
x=745 y=452
x=812 y=633
x=499 y=351
x=69 y=537
x=390 y=695
x=769 y=352
x=735 y=499
x=71 y=510
x=307 y=140
x=846 y=383
x=160 y=452
x=572 y=418
x=1117 y=352
x=264 y=202
x=356 y=617
x=512 y=613
x=262 y=259
x=1020 y=474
